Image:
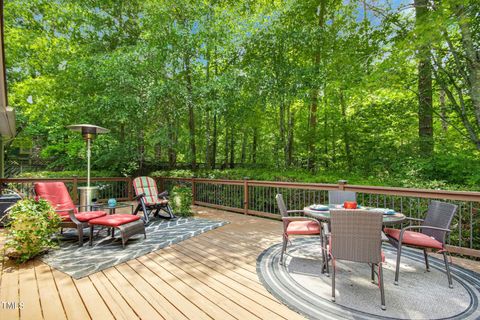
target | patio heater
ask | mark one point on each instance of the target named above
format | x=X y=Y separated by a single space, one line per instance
x=89 y=133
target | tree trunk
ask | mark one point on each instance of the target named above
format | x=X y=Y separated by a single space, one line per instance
x=207 y=116
x=244 y=147
x=282 y=130
x=213 y=157
x=346 y=136
x=207 y=139
x=325 y=132
x=291 y=125
x=425 y=93
x=473 y=61
x=225 y=159
x=232 y=148
x=254 y=145
x=191 y=115
x=172 y=135
x=314 y=93
x=443 y=111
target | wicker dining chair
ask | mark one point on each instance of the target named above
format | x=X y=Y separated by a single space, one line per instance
x=434 y=231
x=292 y=225
x=339 y=197
x=356 y=236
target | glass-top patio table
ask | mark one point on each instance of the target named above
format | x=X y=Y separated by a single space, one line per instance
x=322 y=214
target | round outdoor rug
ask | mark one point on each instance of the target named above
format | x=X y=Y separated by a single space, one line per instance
x=419 y=295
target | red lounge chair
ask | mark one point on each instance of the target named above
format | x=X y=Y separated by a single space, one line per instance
x=57 y=194
x=149 y=200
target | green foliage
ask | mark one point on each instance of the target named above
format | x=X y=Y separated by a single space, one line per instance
x=30 y=228
x=181 y=200
x=66 y=174
x=412 y=174
x=288 y=84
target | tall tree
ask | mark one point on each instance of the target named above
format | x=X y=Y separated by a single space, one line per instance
x=425 y=93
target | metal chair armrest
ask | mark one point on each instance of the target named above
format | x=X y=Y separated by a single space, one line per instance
x=139 y=196
x=419 y=227
x=71 y=215
x=290 y=219
x=414 y=219
x=163 y=195
x=426 y=227
x=294 y=211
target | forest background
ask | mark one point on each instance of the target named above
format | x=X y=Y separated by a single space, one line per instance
x=375 y=92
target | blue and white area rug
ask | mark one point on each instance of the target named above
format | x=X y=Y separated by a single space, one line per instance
x=79 y=262
x=419 y=295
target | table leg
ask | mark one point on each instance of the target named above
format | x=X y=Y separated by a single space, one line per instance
x=323 y=242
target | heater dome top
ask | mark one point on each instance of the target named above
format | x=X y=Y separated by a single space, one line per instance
x=87 y=129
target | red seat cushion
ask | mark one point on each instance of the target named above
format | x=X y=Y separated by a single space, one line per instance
x=414 y=238
x=306 y=227
x=88 y=215
x=114 y=220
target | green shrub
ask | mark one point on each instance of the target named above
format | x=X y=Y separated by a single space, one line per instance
x=65 y=174
x=30 y=228
x=181 y=200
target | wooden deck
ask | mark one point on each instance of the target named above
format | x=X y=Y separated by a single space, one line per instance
x=212 y=275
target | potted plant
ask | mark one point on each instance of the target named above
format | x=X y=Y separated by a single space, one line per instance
x=31 y=225
x=182 y=200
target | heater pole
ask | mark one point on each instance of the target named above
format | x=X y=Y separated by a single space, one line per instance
x=88 y=171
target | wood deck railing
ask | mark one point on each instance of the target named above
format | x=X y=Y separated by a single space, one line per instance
x=257 y=198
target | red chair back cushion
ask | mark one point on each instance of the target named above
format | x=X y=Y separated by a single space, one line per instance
x=57 y=194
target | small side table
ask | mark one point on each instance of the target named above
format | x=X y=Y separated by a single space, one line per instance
x=112 y=209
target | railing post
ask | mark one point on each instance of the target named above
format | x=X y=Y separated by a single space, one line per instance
x=245 y=196
x=341 y=184
x=161 y=184
x=130 y=188
x=75 y=189
x=193 y=191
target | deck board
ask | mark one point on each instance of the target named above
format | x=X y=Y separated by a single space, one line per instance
x=28 y=291
x=50 y=301
x=9 y=292
x=210 y=276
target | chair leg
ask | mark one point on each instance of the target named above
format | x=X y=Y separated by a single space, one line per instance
x=169 y=211
x=380 y=283
x=397 y=269
x=373 y=273
x=325 y=268
x=333 y=280
x=91 y=235
x=146 y=219
x=80 y=235
x=427 y=265
x=137 y=209
x=284 y=248
x=447 y=267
